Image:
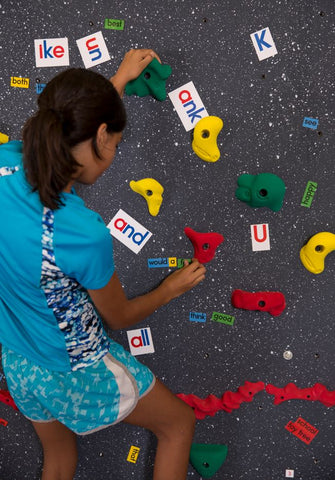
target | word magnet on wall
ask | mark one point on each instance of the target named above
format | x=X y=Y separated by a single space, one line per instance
x=264 y=45
x=140 y=341
x=260 y=237
x=93 y=49
x=51 y=52
x=126 y=229
x=188 y=105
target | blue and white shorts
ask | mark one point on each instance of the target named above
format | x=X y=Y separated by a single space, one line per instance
x=85 y=400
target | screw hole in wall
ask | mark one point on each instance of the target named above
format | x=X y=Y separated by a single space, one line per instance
x=320 y=133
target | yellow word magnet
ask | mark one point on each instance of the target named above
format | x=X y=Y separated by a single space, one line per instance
x=133 y=454
x=19 y=82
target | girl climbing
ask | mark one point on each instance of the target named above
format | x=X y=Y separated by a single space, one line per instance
x=58 y=282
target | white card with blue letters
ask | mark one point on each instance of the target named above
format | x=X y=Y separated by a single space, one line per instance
x=264 y=45
x=188 y=105
x=129 y=231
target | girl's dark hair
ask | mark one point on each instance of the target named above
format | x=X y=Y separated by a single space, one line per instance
x=70 y=110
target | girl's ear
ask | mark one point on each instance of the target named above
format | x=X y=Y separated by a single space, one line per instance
x=102 y=134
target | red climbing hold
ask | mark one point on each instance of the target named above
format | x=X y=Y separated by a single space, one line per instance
x=318 y=392
x=272 y=302
x=228 y=402
x=204 y=244
x=6 y=398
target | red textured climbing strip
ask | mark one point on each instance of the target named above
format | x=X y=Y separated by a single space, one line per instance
x=319 y=392
x=228 y=402
x=6 y=398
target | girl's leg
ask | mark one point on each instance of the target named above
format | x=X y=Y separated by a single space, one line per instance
x=59 y=450
x=173 y=422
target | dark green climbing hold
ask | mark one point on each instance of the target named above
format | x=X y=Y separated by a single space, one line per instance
x=262 y=190
x=151 y=81
x=207 y=459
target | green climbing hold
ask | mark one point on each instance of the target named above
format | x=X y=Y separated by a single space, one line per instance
x=262 y=190
x=151 y=81
x=207 y=459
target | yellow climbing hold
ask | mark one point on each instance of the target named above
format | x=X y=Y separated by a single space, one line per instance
x=3 y=138
x=152 y=191
x=313 y=254
x=205 y=138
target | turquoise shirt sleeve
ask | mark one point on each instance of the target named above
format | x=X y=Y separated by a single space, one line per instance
x=83 y=244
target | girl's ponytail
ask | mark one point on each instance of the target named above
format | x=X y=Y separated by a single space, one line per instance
x=48 y=162
x=71 y=108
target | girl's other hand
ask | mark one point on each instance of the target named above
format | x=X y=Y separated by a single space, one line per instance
x=132 y=65
x=184 y=279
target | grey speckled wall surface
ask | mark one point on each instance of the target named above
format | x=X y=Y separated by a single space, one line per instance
x=262 y=104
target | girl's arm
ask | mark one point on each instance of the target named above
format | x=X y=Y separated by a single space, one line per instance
x=119 y=312
x=133 y=64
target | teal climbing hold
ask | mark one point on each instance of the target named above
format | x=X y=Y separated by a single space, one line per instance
x=151 y=81
x=207 y=459
x=262 y=190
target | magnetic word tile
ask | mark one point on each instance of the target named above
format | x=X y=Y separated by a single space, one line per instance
x=303 y=430
x=40 y=87
x=133 y=454
x=113 y=24
x=197 y=317
x=309 y=194
x=19 y=82
x=263 y=43
x=310 y=123
x=3 y=422
x=140 y=341
x=167 y=262
x=289 y=473
x=223 y=318
x=260 y=237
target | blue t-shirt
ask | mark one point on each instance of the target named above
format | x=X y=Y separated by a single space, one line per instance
x=48 y=260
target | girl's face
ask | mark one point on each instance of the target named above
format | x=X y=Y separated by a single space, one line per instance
x=93 y=167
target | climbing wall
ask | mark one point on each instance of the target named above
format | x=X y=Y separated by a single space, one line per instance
x=266 y=69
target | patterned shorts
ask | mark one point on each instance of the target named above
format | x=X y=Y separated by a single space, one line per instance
x=85 y=400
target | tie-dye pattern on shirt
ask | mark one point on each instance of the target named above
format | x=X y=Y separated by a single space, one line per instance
x=8 y=170
x=85 y=339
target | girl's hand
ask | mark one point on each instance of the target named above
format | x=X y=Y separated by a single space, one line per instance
x=184 y=279
x=133 y=64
